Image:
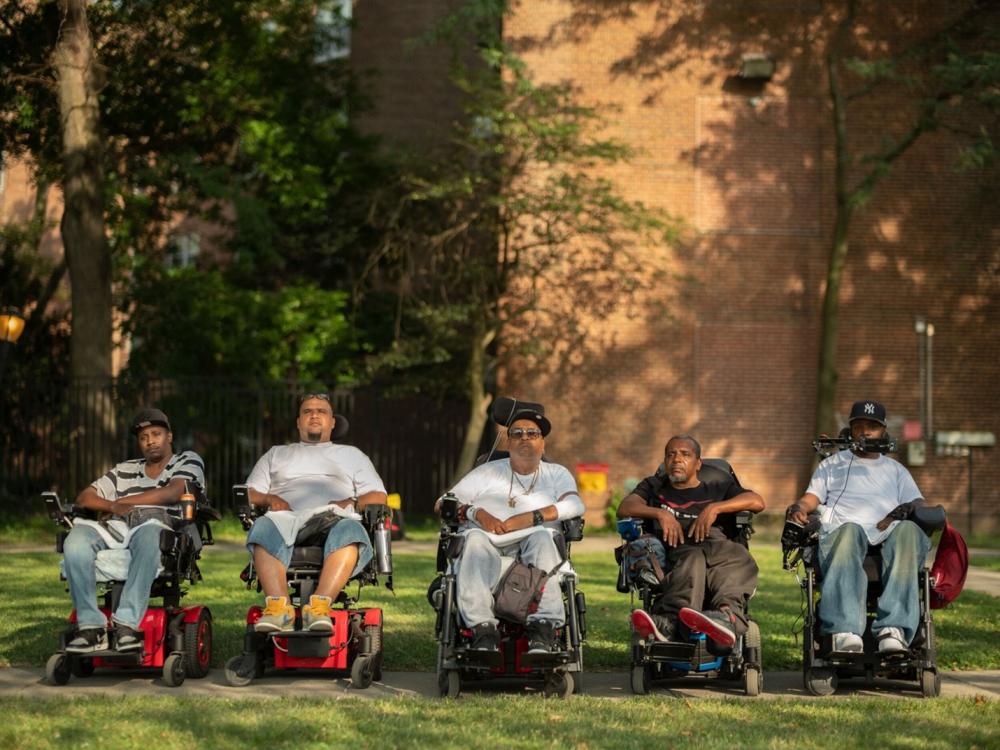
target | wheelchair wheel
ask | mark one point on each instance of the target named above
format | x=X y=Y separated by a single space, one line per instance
x=173 y=670
x=930 y=683
x=81 y=667
x=374 y=633
x=198 y=646
x=642 y=679
x=753 y=681
x=362 y=671
x=821 y=681
x=449 y=683
x=558 y=685
x=57 y=669
x=238 y=671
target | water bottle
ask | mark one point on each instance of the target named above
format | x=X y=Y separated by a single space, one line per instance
x=383 y=547
x=187 y=506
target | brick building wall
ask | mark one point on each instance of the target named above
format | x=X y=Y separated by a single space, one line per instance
x=728 y=348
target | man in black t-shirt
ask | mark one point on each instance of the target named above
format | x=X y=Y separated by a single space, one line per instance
x=691 y=517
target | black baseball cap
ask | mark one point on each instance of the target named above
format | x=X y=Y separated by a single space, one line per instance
x=872 y=410
x=147 y=418
x=508 y=410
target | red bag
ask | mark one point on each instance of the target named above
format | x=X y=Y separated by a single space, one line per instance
x=951 y=564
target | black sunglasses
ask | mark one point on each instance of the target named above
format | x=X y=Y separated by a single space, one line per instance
x=323 y=396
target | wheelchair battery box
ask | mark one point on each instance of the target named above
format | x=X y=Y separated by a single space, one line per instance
x=312 y=650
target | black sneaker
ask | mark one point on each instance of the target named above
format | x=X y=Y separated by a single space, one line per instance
x=720 y=626
x=485 y=637
x=88 y=640
x=541 y=637
x=127 y=639
x=648 y=626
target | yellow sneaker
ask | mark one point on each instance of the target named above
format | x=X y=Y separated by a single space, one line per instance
x=279 y=616
x=316 y=614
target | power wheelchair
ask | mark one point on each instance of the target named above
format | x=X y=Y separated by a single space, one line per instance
x=177 y=639
x=821 y=669
x=559 y=671
x=654 y=661
x=353 y=648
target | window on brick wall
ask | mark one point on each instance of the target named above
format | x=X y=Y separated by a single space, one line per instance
x=333 y=25
x=184 y=250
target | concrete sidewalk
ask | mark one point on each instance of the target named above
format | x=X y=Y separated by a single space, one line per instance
x=30 y=683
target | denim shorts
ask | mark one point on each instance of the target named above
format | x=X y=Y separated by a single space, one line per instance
x=346 y=531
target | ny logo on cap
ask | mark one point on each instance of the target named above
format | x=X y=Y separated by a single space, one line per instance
x=869 y=408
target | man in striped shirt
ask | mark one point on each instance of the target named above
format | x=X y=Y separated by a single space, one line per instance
x=156 y=479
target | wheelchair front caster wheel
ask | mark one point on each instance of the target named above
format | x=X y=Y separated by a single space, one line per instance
x=558 y=685
x=57 y=669
x=362 y=671
x=642 y=679
x=241 y=670
x=81 y=667
x=449 y=683
x=173 y=670
x=753 y=681
x=821 y=681
x=930 y=683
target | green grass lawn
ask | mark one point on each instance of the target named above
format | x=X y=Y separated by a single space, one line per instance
x=990 y=562
x=36 y=606
x=528 y=722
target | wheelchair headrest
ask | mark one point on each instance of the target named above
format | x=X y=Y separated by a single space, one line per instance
x=497 y=456
x=712 y=471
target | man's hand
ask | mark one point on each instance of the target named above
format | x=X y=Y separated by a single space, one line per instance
x=703 y=523
x=120 y=508
x=673 y=534
x=488 y=522
x=797 y=514
x=900 y=513
x=276 y=503
x=518 y=522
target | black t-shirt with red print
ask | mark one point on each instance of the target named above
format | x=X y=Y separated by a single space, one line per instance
x=687 y=503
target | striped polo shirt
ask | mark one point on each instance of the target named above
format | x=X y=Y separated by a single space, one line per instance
x=129 y=477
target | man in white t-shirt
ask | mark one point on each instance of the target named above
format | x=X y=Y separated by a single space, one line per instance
x=125 y=495
x=511 y=506
x=295 y=482
x=864 y=498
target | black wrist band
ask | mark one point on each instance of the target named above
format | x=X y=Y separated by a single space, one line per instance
x=538 y=518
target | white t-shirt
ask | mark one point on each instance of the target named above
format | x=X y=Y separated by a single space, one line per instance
x=311 y=475
x=859 y=490
x=491 y=485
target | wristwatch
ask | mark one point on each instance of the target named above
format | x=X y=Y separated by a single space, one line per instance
x=538 y=518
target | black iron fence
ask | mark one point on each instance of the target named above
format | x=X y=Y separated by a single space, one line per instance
x=63 y=435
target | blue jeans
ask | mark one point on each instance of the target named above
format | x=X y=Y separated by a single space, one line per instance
x=80 y=553
x=845 y=585
x=346 y=531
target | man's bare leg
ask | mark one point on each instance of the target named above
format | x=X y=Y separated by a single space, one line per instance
x=337 y=569
x=270 y=572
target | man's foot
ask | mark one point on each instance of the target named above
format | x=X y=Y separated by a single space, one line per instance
x=88 y=640
x=847 y=643
x=717 y=625
x=646 y=626
x=541 y=637
x=890 y=641
x=128 y=639
x=485 y=637
x=278 y=616
x=316 y=614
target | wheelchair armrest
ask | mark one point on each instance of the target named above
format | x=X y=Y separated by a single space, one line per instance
x=572 y=529
x=59 y=515
x=929 y=518
x=374 y=514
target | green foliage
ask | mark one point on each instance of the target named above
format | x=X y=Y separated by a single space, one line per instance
x=191 y=323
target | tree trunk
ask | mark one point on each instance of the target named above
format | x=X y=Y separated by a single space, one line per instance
x=479 y=401
x=88 y=257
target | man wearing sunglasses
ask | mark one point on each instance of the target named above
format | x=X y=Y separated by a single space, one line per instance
x=510 y=508
x=295 y=482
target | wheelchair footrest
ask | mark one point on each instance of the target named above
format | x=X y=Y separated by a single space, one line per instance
x=476 y=658
x=542 y=660
x=671 y=651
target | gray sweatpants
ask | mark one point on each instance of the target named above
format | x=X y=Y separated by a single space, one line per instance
x=479 y=568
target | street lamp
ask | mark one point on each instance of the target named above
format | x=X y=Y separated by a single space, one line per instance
x=11 y=328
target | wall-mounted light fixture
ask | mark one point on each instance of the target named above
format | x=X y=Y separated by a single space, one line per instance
x=755 y=66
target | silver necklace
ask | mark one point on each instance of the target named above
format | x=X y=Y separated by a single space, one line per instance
x=511 y=497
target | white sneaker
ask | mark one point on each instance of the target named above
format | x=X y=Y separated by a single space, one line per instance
x=890 y=641
x=847 y=643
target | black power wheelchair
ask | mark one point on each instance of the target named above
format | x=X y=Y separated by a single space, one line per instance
x=177 y=640
x=821 y=669
x=559 y=671
x=354 y=647
x=654 y=661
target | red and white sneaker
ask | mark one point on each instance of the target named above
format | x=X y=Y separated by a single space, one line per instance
x=716 y=625
x=645 y=625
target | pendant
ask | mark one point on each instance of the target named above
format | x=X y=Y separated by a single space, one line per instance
x=512 y=502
